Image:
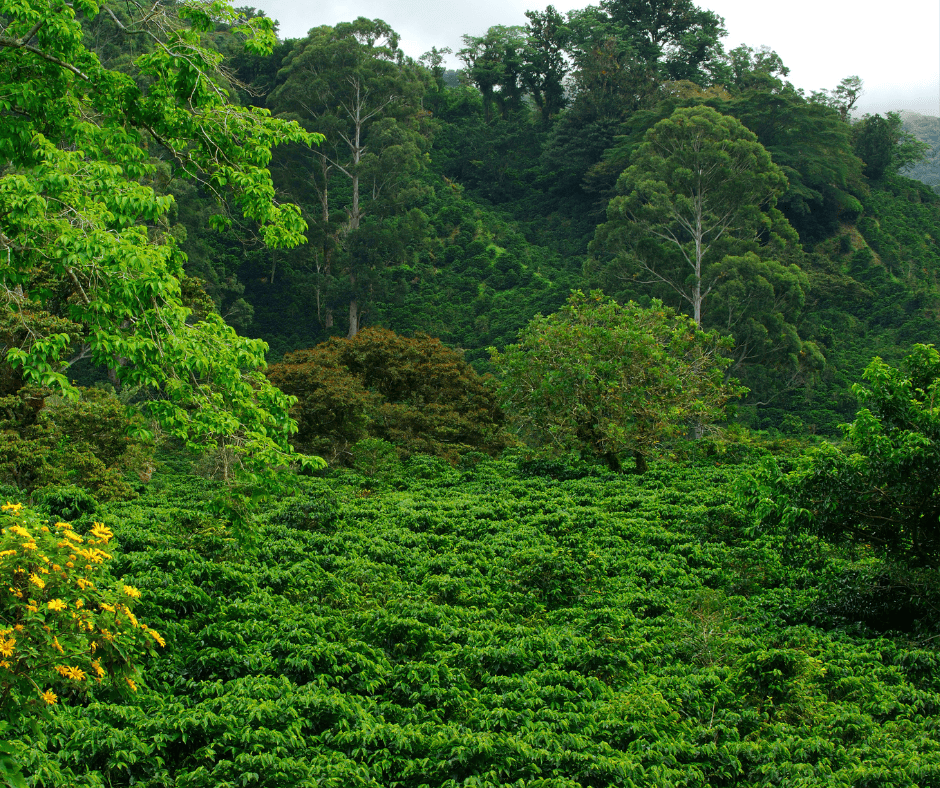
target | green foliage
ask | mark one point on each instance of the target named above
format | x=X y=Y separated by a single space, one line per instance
x=700 y=189
x=605 y=378
x=90 y=267
x=881 y=489
x=351 y=83
x=495 y=627
x=94 y=441
x=414 y=393
x=884 y=146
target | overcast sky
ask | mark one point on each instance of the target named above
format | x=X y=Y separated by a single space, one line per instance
x=894 y=47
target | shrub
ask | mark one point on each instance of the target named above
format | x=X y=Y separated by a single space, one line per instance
x=415 y=393
x=64 y=621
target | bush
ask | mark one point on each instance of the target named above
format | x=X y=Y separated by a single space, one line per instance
x=50 y=441
x=415 y=393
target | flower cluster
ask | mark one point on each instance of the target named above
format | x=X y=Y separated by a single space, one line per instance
x=64 y=621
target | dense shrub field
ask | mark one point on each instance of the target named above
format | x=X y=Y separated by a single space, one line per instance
x=507 y=622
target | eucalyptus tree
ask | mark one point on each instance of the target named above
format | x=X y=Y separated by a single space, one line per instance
x=353 y=84
x=695 y=222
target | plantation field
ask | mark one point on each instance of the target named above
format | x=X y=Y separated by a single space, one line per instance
x=501 y=623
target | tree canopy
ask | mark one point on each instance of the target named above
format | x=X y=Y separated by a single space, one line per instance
x=91 y=267
x=605 y=378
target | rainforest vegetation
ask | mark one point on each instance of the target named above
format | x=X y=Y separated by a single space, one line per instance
x=567 y=419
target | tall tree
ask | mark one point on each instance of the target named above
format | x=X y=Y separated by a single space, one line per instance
x=676 y=35
x=352 y=83
x=545 y=65
x=494 y=65
x=699 y=181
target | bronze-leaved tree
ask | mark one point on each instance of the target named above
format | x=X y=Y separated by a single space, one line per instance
x=608 y=379
x=415 y=393
x=89 y=267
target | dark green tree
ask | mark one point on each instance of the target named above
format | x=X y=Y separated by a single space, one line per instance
x=352 y=82
x=544 y=63
x=495 y=65
x=884 y=146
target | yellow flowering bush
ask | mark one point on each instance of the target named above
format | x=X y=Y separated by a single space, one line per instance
x=64 y=620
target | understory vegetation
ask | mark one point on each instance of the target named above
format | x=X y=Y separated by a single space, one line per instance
x=505 y=622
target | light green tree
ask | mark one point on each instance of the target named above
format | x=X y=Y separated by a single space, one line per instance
x=607 y=379
x=89 y=267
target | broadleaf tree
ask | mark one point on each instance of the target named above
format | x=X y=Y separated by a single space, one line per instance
x=880 y=488
x=608 y=379
x=696 y=224
x=90 y=267
x=353 y=84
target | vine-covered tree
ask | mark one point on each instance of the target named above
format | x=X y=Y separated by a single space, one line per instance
x=607 y=379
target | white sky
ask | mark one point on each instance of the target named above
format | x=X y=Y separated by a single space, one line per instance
x=894 y=47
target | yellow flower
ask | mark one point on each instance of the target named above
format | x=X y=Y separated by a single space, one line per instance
x=102 y=532
x=131 y=684
x=96 y=664
x=19 y=530
x=32 y=608
x=37 y=581
x=106 y=606
x=5 y=664
x=12 y=507
x=5 y=553
x=57 y=646
x=50 y=697
x=132 y=592
x=131 y=617
x=60 y=525
x=56 y=604
x=82 y=583
x=7 y=645
x=45 y=529
x=69 y=564
x=75 y=673
x=62 y=670
x=56 y=568
x=156 y=636
x=79 y=603
x=29 y=546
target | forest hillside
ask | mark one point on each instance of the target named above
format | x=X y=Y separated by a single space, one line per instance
x=565 y=420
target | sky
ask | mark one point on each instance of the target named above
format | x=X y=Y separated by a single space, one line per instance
x=894 y=47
